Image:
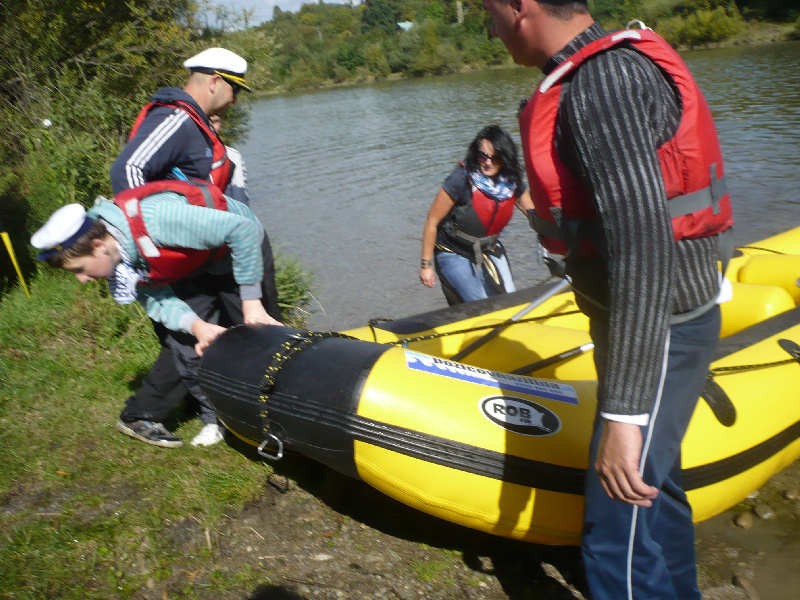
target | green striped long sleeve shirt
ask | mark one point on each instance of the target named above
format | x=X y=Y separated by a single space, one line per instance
x=173 y=223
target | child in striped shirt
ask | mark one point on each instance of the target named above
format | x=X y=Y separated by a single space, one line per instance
x=213 y=281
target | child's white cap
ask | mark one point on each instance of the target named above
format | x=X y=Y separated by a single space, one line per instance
x=63 y=228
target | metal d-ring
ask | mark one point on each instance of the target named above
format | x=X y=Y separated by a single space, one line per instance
x=278 y=454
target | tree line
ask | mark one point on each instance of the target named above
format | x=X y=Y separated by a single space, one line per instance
x=325 y=44
x=74 y=73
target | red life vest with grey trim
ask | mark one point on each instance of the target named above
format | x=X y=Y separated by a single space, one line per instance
x=482 y=217
x=691 y=162
x=167 y=265
x=221 y=165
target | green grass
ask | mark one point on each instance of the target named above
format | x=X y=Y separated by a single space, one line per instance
x=85 y=512
x=439 y=569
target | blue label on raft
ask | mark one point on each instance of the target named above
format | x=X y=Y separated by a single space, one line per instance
x=512 y=383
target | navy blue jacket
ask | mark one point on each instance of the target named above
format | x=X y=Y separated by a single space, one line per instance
x=167 y=138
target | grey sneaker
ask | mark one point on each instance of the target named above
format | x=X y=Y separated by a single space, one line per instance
x=150 y=433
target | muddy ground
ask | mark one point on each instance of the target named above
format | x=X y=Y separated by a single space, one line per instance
x=315 y=534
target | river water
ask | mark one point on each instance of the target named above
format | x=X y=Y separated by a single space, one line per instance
x=343 y=178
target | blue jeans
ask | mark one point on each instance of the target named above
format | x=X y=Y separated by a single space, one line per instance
x=637 y=553
x=462 y=281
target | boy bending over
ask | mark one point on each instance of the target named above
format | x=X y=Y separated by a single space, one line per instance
x=188 y=253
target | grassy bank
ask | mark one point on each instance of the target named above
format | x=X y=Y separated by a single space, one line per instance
x=83 y=509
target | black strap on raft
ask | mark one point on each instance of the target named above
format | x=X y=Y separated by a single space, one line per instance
x=791 y=347
x=788 y=345
x=719 y=403
x=716 y=398
x=432 y=336
x=760 y=249
x=289 y=348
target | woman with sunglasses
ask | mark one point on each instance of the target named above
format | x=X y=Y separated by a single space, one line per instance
x=476 y=201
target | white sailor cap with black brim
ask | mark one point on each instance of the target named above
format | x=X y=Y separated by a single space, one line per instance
x=62 y=230
x=219 y=61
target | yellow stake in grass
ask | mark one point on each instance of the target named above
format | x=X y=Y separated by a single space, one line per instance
x=10 y=249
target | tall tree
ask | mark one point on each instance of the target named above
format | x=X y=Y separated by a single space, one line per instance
x=781 y=10
x=380 y=14
x=72 y=73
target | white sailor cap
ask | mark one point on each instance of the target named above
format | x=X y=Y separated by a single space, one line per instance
x=63 y=228
x=231 y=67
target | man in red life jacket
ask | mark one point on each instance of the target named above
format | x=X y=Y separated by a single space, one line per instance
x=627 y=179
x=173 y=138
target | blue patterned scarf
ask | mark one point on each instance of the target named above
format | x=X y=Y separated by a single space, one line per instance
x=502 y=189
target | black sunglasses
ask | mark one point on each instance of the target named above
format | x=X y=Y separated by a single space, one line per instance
x=495 y=160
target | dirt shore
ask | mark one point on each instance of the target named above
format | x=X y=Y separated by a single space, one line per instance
x=315 y=534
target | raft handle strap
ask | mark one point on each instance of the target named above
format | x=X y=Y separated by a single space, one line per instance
x=759 y=249
x=720 y=403
x=791 y=347
x=404 y=342
x=558 y=287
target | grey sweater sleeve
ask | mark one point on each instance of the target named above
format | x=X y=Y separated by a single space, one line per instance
x=615 y=114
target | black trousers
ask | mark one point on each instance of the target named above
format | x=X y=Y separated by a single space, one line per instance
x=170 y=378
x=161 y=389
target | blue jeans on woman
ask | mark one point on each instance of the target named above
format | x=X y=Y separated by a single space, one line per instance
x=463 y=281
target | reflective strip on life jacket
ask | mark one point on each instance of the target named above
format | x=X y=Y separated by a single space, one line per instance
x=167 y=265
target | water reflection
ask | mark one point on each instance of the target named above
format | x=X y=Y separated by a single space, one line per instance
x=343 y=178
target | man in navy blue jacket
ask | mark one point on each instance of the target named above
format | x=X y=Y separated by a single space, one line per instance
x=173 y=138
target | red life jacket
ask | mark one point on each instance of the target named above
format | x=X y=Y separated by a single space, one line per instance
x=691 y=162
x=167 y=265
x=221 y=166
x=479 y=222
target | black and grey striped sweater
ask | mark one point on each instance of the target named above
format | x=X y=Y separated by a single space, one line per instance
x=617 y=110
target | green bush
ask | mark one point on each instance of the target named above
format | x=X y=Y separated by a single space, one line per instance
x=616 y=13
x=350 y=56
x=704 y=26
x=699 y=22
x=670 y=29
x=302 y=75
x=376 y=60
x=795 y=35
x=294 y=288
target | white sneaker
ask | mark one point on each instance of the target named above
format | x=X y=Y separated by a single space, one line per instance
x=209 y=435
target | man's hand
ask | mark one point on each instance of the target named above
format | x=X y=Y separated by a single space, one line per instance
x=205 y=334
x=254 y=313
x=617 y=464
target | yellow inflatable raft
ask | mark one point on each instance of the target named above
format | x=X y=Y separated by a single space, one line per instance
x=481 y=413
